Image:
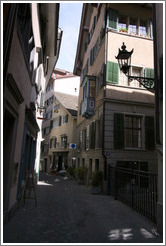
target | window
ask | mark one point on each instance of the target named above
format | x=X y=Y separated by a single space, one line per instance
x=91 y=88
x=129 y=24
x=142 y=28
x=122 y=25
x=112 y=18
x=129 y=132
x=46 y=130
x=65 y=118
x=136 y=71
x=133 y=131
x=45 y=148
x=53 y=142
x=55 y=122
x=49 y=115
x=133 y=26
x=88 y=102
x=123 y=79
x=64 y=142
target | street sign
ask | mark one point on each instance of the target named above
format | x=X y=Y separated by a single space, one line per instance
x=107 y=154
x=72 y=146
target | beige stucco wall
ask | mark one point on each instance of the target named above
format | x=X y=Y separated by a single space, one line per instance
x=17 y=63
x=68 y=128
x=18 y=68
x=143 y=48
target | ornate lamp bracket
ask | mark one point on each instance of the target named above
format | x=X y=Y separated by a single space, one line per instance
x=148 y=83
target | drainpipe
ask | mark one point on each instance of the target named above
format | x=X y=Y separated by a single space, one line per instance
x=156 y=77
x=104 y=96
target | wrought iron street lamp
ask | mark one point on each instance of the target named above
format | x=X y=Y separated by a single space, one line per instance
x=124 y=61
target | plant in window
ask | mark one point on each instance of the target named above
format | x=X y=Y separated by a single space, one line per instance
x=123 y=30
x=147 y=35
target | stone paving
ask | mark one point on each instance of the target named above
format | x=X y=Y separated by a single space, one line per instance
x=69 y=213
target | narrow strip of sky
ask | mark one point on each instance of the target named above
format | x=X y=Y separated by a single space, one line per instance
x=69 y=22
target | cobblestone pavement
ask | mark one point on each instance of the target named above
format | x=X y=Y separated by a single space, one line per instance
x=69 y=213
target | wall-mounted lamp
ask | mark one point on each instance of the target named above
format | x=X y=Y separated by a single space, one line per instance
x=124 y=61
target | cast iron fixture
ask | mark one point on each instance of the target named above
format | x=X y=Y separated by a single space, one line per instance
x=124 y=61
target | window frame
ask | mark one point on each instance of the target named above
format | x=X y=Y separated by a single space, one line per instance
x=132 y=130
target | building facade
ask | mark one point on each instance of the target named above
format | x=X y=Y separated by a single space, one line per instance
x=116 y=116
x=25 y=73
x=60 y=115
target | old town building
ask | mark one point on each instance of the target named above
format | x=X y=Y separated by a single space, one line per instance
x=59 y=124
x=29 y=57
x=116 y=116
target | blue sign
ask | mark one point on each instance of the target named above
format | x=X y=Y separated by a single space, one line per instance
x=72 y=146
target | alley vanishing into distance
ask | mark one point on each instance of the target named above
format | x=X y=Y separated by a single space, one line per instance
x=67 y=212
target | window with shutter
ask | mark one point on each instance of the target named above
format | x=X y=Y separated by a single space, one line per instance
x=118 y=131
x=112 y=72
x=112 y=18
x=149 y=133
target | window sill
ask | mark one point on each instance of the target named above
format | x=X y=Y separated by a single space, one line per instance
x=135 y=149
x=129 y=34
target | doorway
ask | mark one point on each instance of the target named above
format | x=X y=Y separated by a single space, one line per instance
x=59 y=163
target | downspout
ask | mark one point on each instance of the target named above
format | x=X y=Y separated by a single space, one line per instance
x=104 y=97
x=156 y=77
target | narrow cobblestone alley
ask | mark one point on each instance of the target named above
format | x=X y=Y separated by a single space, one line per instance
x=69 y=213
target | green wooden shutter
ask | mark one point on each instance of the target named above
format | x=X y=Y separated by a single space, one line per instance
x=60 y=119
x=149 y=133
x=112 y=18
x=112 y=72
x=118 y=131
x=55 y=142
x=92 y=132
x=51 y=143
x=51 y=124
x=149 y=72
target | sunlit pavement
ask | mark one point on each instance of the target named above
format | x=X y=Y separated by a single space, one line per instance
x=68 y=213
